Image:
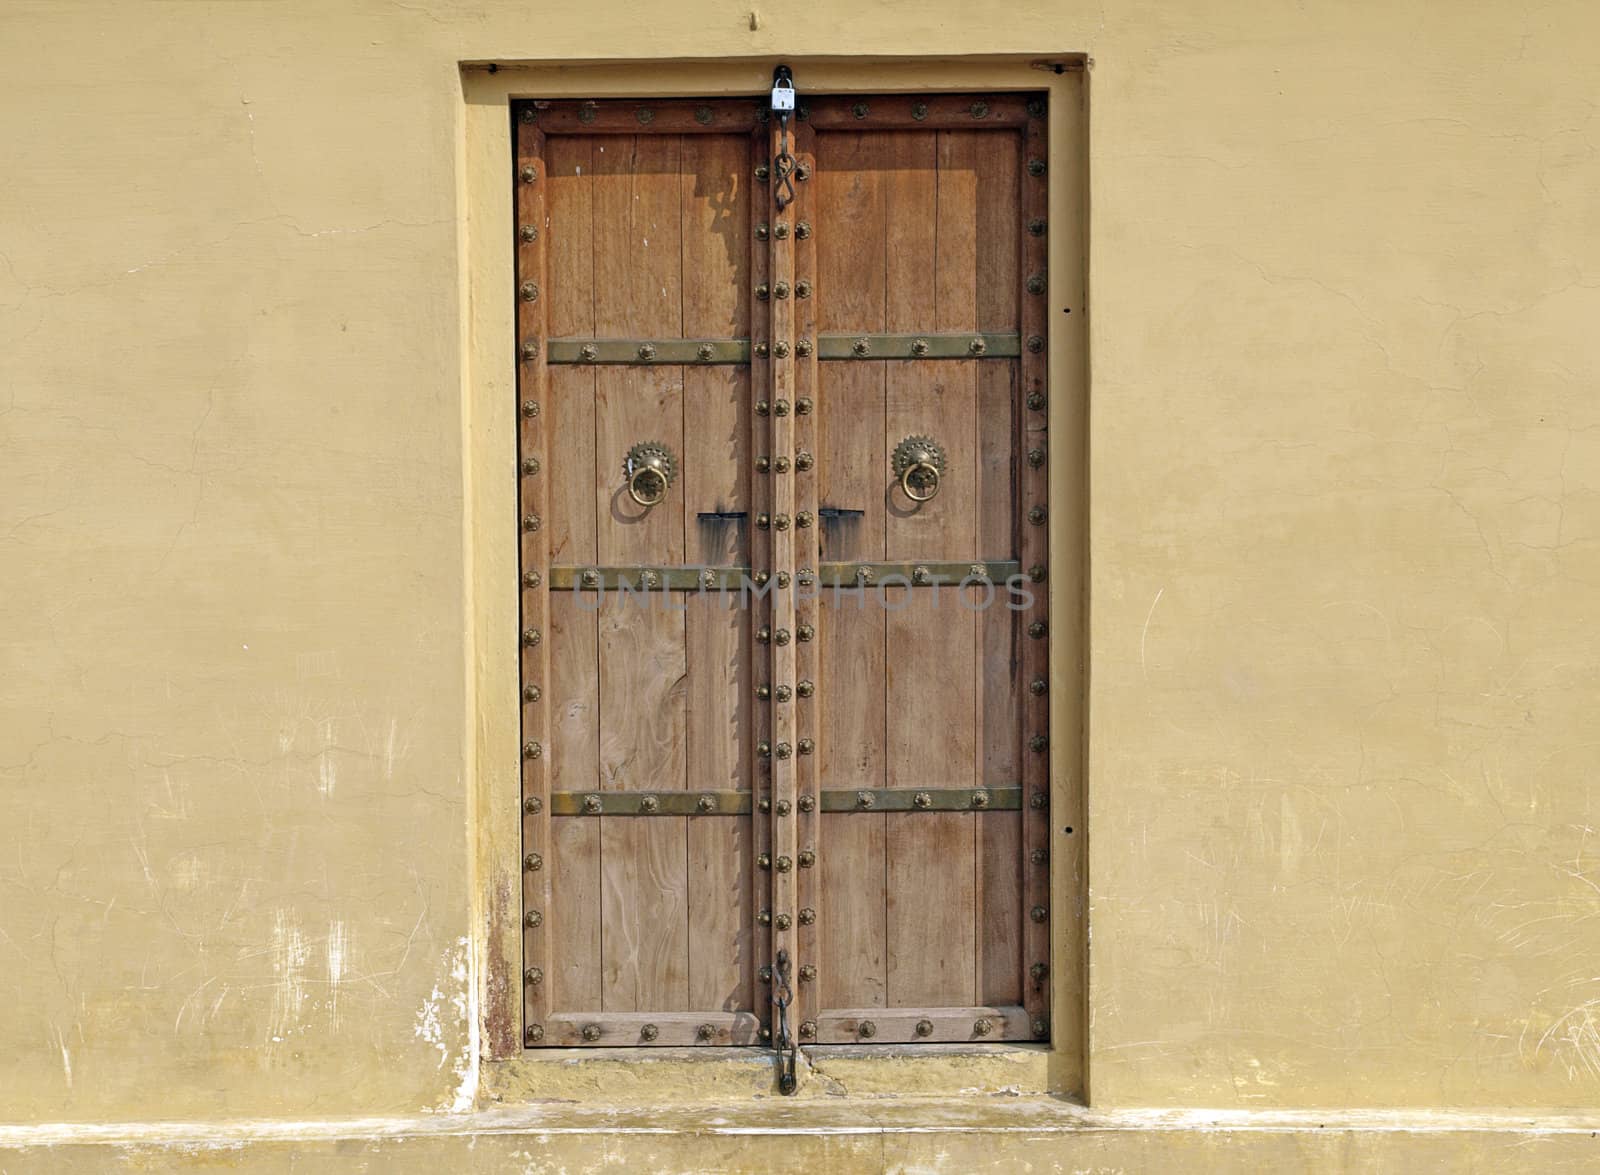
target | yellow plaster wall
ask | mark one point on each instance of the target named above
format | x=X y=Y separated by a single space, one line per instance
x=1344 y=540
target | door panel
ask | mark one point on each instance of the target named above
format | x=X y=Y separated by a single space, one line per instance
x=781 y=719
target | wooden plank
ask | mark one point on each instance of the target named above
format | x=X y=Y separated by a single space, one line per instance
x=628 y=116
x=607 y=1029
x=931 y=1025
x=1000 y=913
x=932 y=641
x=854 y=912
x=574 y=866
x=533 y=444
x=917 y=112
x=567 y=235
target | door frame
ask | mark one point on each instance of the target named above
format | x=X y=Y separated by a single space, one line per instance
x=491 y=594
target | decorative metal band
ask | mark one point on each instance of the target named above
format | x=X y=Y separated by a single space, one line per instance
x=831 y=575
x=1006 y=345
x=649 y=352
x=928 y=799
x=650 y=803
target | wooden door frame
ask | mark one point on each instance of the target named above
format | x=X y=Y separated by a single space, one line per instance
x=491 y=597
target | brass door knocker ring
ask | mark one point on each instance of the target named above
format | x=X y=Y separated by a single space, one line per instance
x=650 y=469
x=919 y=464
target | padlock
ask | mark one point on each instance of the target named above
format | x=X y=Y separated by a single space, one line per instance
x=782 y=90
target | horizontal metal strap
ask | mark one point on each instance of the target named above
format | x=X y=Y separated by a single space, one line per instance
x=976 y=1025
x=650 y=352
x=710 y=352
x=737 y=803
x=929 y=799
x=845 y=576
x=1004 y=345
x=650 y=803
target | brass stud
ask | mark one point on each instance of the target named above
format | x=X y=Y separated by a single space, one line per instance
x=591 y=804
x=1038 y=801
x=924 y=1028
x=783 y=579
x=530 y=348
x=651 y=579
x=1036 y=107
x=1036 y=573
x=531 y=579
x=648 y=1033
x=763 y=691
x=919 y=110
x=765 y=974
x=763 y=408
x=763 y=521
x=860 y=110
x=764 y=1033
x=586 y=113
x=802 y=229
x=781 y=230
x=533 y=976
x=781 y=465
x=1038 y=686
x=1036 y=167
x=647 y=352
x=532 y=751
x=1038 y=913
x=763 y=231
x=534 y=1033
x=531 y=522
x=533 y=805
x=780 y=348
x=1037 y=283
x=706 y=803
x=1036 y=401
x=645 y=115
x=784 y=807
x=1038 y=971
x=805 y=632
x=528 y=114
x=591 y=1032
x=805 y=746
x=782 y=922
x=805 y=689
x=764 y=861
x=649 y=804
x=1037 y=515
x=529 y=174
x=761 y=578
x=530 y=466
x=764 y=750
x=1036 y=226
x=763 y=805
x=590 y=577
x=807 y=858
x=806 y=577
x=802 y=289
x=919 y=346
x=530 y=408
x=1035 y=457
x=780 y=291
x=762 y=351
x=802 y=406
x=977 y=346
x=784 y=692
x=1038 y=743
x=803 y=348
x=922 y=800
x=529 y=292
x=1039 y=856
x=808 y=803
x=808 y=1030
x=861 y=348
x=783 y=750
x=763 y=464
x=708 y=579
x=865 y=799
x=764 y=918
x=979 y=109
x=533 y=862
x=982 y=1026
x=803 y=519
x=588 y=352
x=921 y=576
x=702 y=115
x=802 y=172
x=865 y=574
x=1041 y=1027
x=705 y=352
x=533 y=920
x=780 y=408
x=867 y=1029
x=763 y=172
x=706 y=1032
x=803 y=460
x=807 y=916
x=763 y=291
x=780 y=522
x=808 y=972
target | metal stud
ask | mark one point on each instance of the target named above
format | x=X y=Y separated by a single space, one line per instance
x=861 y=348
x=1035 y=457
x=533 y=862
x=763 y=231
x=763 y=172
x=763 y=521
x=534 y=1033
x=1041 y=1027
x=802 y=289
x=706 y=1032
x=784 y=692
x=919 y=346
x=532 y=751
x=586 y=113
x=529 y=292
x=764 y=750
x=533 y=976
x=780 y=291
x=529 y=232
x=761 y=578
x=808 y=972
x=1037 y=284
x=780 y=349
x=860 y=110
x=865 y=574
x=588 y=352
x=865 y=799
x=805 y=689
x=763 y=805
x=531 y=693
x=763 y=691
x=808 y=803
x=590 y=577
x=1036 y=226
x=805 y=632
x=764 y=1033
x=530 y=408
x=1038 y=971
x=765 y=974
x=1038 y=743
x=982 y=1026
x=645 y=115
x=764 y=861
x=1038 y=913
x=1036 y=107
x=808 y=1030
x=805 y=746
x=802 y=229
x=806 y=577
x=1037 y=515
x=591 y=1032
x=1035 y=344
x=530 y=348
x=705 y=352
x=803 y=460
x=924 y=1028
x=1038 y=686
x=782 y=922
x=530 y=466
x=529 y=174
x=807 y=916
x=780 y=522
x=533 y=805
x=922 y=800
x=783 y=750
x=803 y=519
x=1036 y=167
x=1036 y=401
x=781 y=465
x=807 y=858
x=867 y=1029
x=780 y=408
x=591 y=804
x=781 y=230
x=784 y=807
x=702 y=115
x=530 y=522
x=802 y=406
x=764 y=918
x=802 y=172
x=706 y=803
x=763 y=408
x=979 y=109
x=649 y=804
x=1039 y=856
x=803 y=348
x=529 y=115
x=533 y=920
x=980 y=799
x=647 y=352
x=763 y=291
x=919 y=110
x=649 y=1033
x=762 y=351
x=1038 y=801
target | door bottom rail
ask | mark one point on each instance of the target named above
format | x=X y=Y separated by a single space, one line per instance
x=638 y=578
x=1004 y=798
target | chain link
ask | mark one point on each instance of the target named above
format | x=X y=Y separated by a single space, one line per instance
x=783 y=1039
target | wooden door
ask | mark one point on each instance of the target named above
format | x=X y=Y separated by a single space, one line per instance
x=782 y=466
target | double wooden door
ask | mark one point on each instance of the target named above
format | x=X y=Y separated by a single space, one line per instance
x=783 y=501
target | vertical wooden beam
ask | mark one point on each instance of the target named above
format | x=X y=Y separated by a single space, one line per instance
x=533 y=503
x=1034 y=554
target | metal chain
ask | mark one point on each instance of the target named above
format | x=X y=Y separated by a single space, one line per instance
x=782 y=1039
